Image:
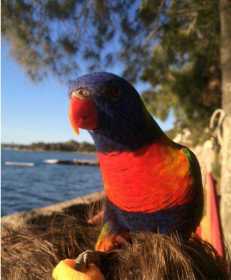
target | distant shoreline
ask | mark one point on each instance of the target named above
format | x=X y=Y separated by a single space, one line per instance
x=35 y=151
x=69 y=146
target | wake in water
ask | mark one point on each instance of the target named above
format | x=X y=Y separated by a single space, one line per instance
x=22 y=164
x=27 y=182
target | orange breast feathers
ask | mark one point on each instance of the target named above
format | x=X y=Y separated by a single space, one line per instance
x=149 y=179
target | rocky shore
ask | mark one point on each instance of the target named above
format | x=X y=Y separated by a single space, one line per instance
x=35 y=241
x=74 y=206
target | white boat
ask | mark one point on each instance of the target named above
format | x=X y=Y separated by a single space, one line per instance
x=51 y=161
x=71 y=162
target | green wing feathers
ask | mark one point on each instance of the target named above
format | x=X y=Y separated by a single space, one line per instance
x=198 y=196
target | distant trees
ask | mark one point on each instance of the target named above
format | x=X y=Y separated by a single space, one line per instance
x=71 y=146
x=172 y=45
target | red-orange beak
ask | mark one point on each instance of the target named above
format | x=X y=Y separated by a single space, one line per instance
x=82 y=114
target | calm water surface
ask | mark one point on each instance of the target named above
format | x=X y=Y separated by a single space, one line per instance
x=24 y=188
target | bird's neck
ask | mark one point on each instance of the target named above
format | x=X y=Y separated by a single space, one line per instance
x=128 y=140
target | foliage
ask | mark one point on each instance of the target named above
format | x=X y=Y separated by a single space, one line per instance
x=57 y=35
x=172 y=45
x=184 y=69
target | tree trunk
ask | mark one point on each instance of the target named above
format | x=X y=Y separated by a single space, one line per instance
x=225 y=19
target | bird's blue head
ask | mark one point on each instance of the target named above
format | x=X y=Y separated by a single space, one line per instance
x=112 y=110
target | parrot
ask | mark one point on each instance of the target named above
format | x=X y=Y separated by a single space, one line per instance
x=151 y=183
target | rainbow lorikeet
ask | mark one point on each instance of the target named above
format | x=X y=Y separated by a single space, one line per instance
x=151 y=183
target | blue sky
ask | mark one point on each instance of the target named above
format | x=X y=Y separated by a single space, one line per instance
x=34 y=112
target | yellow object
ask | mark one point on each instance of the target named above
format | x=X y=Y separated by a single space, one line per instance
x=65 y=271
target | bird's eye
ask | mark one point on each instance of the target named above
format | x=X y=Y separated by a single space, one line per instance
x=80 y=93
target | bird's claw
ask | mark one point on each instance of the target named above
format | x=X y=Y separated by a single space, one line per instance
x=86 y=258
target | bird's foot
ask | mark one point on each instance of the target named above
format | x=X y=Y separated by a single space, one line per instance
x=88 y=257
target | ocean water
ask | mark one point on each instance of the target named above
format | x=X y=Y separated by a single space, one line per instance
x=24 y=188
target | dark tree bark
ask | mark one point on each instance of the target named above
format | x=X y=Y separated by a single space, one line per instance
x=225 y=19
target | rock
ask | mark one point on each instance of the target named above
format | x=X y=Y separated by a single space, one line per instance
x=20 y=219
